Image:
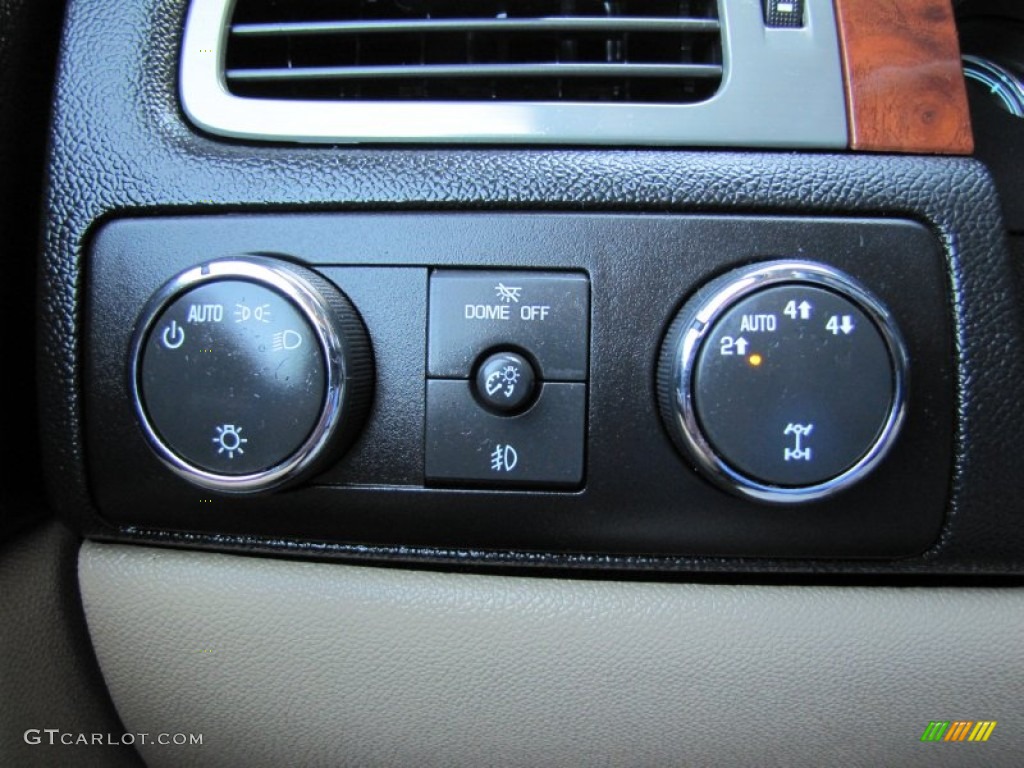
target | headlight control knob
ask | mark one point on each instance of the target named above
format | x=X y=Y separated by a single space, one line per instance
x=784 y=381
x=250 y=373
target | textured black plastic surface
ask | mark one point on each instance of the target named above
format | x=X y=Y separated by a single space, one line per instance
x=120 y=146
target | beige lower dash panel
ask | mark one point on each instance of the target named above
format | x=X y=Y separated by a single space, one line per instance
x=280 y=663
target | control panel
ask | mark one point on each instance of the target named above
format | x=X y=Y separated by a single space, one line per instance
x=726 y=386
x=507 y=393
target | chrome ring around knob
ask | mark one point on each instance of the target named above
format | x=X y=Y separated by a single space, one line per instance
x=691 y=329
x=343 y=350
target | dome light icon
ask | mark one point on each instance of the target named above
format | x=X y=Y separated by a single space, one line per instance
x=510 y=375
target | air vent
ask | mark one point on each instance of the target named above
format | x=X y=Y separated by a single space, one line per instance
x=633 y=51
x=570 y=72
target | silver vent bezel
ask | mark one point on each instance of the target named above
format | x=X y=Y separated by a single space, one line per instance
x=780 y=88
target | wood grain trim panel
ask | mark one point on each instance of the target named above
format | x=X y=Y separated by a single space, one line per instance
x=905 y=88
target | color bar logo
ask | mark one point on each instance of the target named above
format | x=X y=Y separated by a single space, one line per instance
x=958 y=730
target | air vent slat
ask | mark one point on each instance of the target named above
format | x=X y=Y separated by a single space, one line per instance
x=485 y=71
x=496 y=26
x=582 y=51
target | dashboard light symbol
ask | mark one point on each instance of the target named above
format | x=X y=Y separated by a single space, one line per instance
x=229 y=440
x=286 y=340
x=504 y=458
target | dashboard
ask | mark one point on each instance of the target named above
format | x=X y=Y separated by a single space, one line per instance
x=536 y=383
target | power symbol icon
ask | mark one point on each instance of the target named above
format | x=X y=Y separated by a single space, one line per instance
x=173 y=335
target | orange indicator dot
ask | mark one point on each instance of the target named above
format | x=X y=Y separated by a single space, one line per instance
x=755 y=359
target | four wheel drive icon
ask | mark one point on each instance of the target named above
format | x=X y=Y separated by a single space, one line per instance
x=798 y=452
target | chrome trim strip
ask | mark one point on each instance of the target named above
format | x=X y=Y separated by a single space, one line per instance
x=483 y=71
x=276 y=275
x=538 y=24
x=742 y=283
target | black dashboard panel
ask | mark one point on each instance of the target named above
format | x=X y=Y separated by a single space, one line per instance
x=133 y=156
x=638 y=496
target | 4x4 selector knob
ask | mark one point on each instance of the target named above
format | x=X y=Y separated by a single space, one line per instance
x=250 y=373
x=784 y=381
